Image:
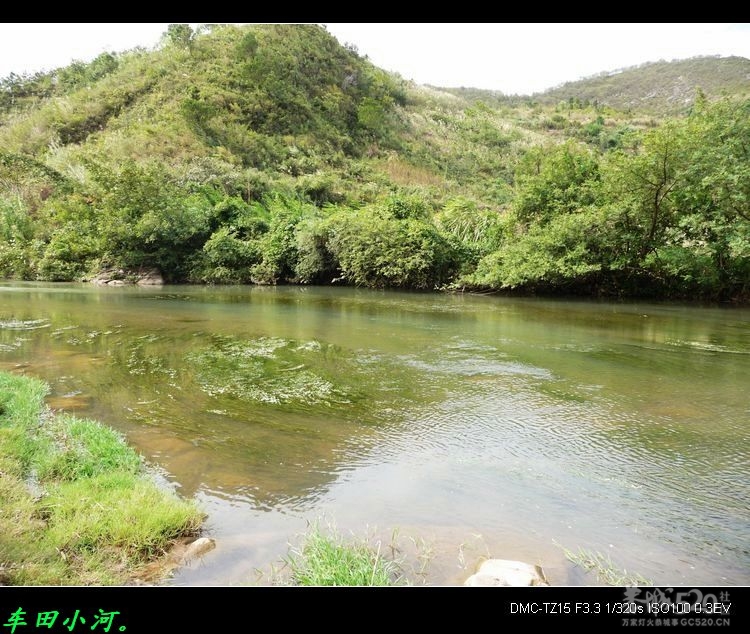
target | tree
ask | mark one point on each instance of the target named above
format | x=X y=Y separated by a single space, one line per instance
x=555 y=180
x=180 y=35
x=642 y=185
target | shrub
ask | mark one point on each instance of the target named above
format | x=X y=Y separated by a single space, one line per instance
x=377 y=251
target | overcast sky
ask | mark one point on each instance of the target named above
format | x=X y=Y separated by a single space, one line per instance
x=513 y=58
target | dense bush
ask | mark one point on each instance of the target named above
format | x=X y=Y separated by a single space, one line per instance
x=375 y=249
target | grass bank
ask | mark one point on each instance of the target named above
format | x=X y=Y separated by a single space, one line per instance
x=77 y=506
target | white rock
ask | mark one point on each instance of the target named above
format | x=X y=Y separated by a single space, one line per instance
x=198 y=548
x=504 y=572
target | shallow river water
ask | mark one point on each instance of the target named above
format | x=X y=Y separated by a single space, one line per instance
x=468 y=425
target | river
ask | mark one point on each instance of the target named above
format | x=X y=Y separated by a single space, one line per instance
x=465 y=425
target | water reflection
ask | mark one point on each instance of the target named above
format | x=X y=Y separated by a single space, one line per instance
x=609 y=426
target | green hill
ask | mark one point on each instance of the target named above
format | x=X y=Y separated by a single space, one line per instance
x=272 y=154
x=659 y=87
x=249 y=94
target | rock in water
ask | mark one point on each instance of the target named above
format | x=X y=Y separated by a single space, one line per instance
x=198 y=548
x=504 y=572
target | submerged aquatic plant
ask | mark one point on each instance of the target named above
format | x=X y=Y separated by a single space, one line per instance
x=606 y=571
x=268 y=370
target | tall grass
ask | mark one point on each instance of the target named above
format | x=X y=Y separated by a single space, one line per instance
x=330 y=560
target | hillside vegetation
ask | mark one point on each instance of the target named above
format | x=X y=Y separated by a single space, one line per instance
x=658 y=87
x=272 y=154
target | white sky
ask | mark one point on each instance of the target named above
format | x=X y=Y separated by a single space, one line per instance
x=513 y=58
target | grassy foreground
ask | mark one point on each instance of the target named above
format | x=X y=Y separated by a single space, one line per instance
x=76 y=505
x=330 y=560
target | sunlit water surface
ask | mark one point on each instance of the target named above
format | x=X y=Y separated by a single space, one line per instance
x=471 y=425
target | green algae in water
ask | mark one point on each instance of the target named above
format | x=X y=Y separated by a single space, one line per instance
x=273 y=371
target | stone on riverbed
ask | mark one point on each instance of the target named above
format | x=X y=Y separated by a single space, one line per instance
x=198 y=548
x=504 y=572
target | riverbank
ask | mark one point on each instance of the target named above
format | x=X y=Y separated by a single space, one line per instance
x=77 y=505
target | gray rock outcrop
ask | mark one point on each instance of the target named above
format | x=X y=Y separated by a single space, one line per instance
x=122 y=277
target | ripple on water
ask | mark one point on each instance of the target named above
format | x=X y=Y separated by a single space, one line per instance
x=592 y=457
x=29 y=324
x=705 y=346
x=475 y=366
